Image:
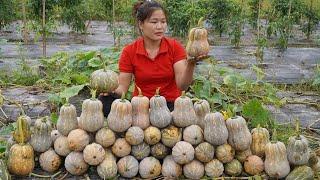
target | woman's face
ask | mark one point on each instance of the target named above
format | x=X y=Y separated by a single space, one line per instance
x=155 y=26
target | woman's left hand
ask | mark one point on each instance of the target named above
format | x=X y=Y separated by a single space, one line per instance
x=196 y=59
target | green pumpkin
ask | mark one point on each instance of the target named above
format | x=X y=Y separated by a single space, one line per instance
x=301 y=173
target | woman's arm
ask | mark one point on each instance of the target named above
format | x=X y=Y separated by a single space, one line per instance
x=183 y=71
x=124 y=83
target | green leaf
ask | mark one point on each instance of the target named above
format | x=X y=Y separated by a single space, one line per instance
x=71 y=91
x=95 y=62
x=6 y=130
x=54 y=118
x=79 y=78
x=316 y=81
x=257 y=114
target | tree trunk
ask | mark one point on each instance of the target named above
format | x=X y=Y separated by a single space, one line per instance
x=24 y=31
x=44 y=41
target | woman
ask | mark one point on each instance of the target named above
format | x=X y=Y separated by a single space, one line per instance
x=153 y=59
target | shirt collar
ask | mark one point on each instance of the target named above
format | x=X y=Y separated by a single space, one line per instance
x=142 y=50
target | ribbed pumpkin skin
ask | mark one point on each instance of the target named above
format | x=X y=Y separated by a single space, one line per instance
x=152 y=135
x=260 y=137
x=204 y=152
x=239 y=135
x=120 y=116
x=104 y=80
x=54 y=135
x=193 y=170
x=183 y=113
x=61 y=146
x=108 y=168
x=253 y=165
x=21 y=159
x=225 y=153
x=91 y=118
x=128 y=166
x=41 y=138
x=183 y=152
x=171 y=135
x=24 y=136
x=78 y=139
x=242 y=155
x=67 y=120
x=140 y=111
x=215 y=130
x=298 y=150
x=50 y=161
x=105 y=137
x=4 y=175
x=140 y=151
x=149 y=167
x=170 y=169
x=121 y=148
x=159 y=151
x=193 y=134
x=75 y=164
x=276 y=163
x=233 y=168
x=160 y=115
x=214 y=168
x=202 y=108
x=134 y=135
x=93 y=154
x=198 y=42
x=301 y=173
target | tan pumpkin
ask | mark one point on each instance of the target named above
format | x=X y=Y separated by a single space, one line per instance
x=260 y=137
x=140 y=151
x=276 y=163
x=93 y=154
x=149 y=167
x=171 y=135
x=22 y=135
x=134 y=135
x=75 y=164
x=193 y=134
x=67 y=120
x=171 y=169
x=61 y=146
x=239 y=135
x=54 y=135
x=225 y=153
x=21 y=159
x=253 y=165
x=183 y=113
x=233 y=168
x=41 y=138
x=152 y=135
x=159 y=151
x=215 y=130
x=214 y=168
x=160 y=115
x=128 y=166
x=78 y=139
x=105 y=137
x=108 y=169
x=50 y=161
x=204 y=152
x=198 y=41
x=121 y=148
x=183 y=152
x=91 y=118
x=120 y=116
x=242 y=155
x=140 y=110
x=193 y=170
x=202 y=108
x=104 y=80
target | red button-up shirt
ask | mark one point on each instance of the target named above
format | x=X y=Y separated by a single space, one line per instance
x=149 y=74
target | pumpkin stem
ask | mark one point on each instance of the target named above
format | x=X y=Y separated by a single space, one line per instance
x=67 y=101
x=139 y=91
x=158 y=91
x=123 y=95
x=20 y=131
x=183 y=93
x=258 y=126
x=201 y=22
x=297 y=128
x=93 y=93
x=274 y=135
x=104 y=63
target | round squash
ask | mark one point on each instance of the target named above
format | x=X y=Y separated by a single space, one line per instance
x=140 y=151
x=108 y=169
x=134 y=135
x=193 y=170
x=149 y=167
x=198 y=41
x=233 y=168
x=50 y=161
x=140 y=110
x=202 y=108
x=260 y=137
x=204 y=152
x=128 y=166
x=54 y=135
x=21 y=159
x=239 y=135
x=41 y=138
x=93 y=154
x=253 y=165
x=193 y=134
x=215 y=130
x=242 y=155
x=171 y=169
x=105 y=137
x=67 y=120
x=120 y=116
x=152 y=135
x=301 y=172
x=78 y=139
x=61 y=146
x=75 y=164
x=171 y=135
x=160 y=115
x=121 y=148
x=159 y=151
x=183 y=113
x=183 y=152
x=214 y=168
x=225 y=153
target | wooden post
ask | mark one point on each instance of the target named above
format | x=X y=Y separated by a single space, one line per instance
x=24 y=31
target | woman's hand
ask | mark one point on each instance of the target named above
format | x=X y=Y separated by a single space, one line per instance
x=196 y=59
x=104 y=94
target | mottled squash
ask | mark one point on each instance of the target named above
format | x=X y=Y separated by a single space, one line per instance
x=152 y=135
x=140 y=151
x=253 y=165
x=233 y=168
x=193 y=134
x=121 y=148
x=159 y=151
x=78 y=139
x=214 y=168
x=239 y=135
x=67 y=120
x=183 y=113
x=149 y=168
x=128 y=166
x=4 y=173
x=105 y=137
x=171 y=135
x=260 y=137
x=22 y=135
x=204 y=152
x=215 y=130
x=183 y=152
x=134 y=135
x=75 y=164
x=160 y=115
x=54 y=135
x=202 y=108
x=50 y=161
x=301 y=173
x=140 y=110
x=61 y=146
x=21 y=159
x=171 y=169
x=242 y=155
x=108 y=168
x=93 y=154
x=120 y=116
x=225 y=153
x=41 y=138
x=193 y=170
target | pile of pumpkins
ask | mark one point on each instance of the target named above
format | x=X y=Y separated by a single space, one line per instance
x=142 y=138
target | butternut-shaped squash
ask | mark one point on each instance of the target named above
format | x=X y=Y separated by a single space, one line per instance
x=239 y=135
x=160 y=115
x=183 y=113
x=67 y=120
x=260 y=137
x=140 y=110
x=215 y=130
x=202 y=108
x=41 y=138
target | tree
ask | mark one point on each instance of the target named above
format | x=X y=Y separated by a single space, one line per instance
x=7 y=14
